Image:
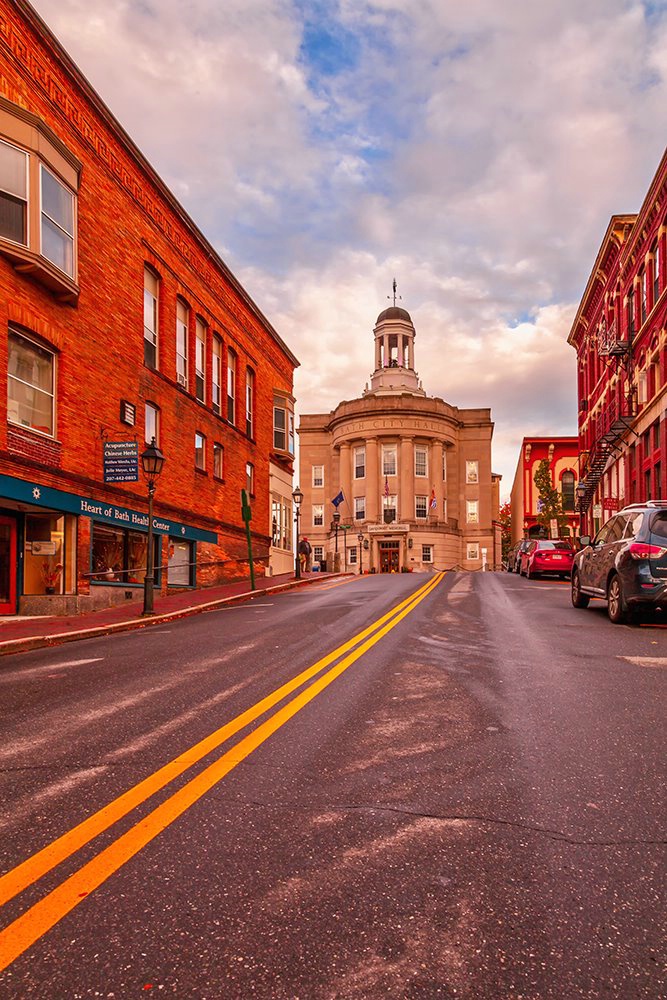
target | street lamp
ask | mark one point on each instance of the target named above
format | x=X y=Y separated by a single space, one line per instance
x=297 y=497
x=581 y=496
x=360 y=539
x=336 y=522
x=152 y=461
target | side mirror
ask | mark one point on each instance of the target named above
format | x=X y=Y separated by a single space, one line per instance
x=584 y=541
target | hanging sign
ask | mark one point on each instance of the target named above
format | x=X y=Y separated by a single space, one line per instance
x=121 y=462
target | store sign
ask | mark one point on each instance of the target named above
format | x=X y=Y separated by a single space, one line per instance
x=98 y=510
x=610 y=503
x=597 y=510
x=121 y=462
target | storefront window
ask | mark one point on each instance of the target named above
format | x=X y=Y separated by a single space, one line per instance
x=49 y=554
x=181 y=559
x=119 y=555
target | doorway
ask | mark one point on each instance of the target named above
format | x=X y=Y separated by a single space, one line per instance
x=389 y=557
x=7 y=566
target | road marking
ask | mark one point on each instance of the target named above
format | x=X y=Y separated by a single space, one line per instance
x=659 y=662
x=39 y=918
x=33 y=868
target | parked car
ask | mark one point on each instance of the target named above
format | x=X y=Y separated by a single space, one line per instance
x=626 y=563
x=546 y=555
x=518 y=551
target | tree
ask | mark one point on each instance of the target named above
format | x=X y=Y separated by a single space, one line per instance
x=549 y=507
x=505 y=521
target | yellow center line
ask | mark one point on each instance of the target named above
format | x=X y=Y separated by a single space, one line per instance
x=36 y=921
x=34 y=867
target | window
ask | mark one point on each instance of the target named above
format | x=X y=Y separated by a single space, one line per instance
x=218 y=460
x=472 y=472
x=249 y=402
x=421 y=464
x=151 y=426
x=57 y=229
x=472 y=550
x=13 y=194
x=360 y=463
x=150 y=318
x=283 y=424
x=472 y=511
x=30 y=384
x=444 y=466
x=120 y=555
x=318 y=554
x=250 y=478
x=631 y=314
x=360 y=508
x=656 y=434
x=444 y=508
x=180 y=572
x=318 y=515
x=389 y=460
x=216 y=375
x=200 y=451
x=567 y=491
x=657 y=263
x=421 y=507
x=200 y=360
x=318 y=475
x=182 y=319
x=643 y=281
x=427 y=553
x=281 y=523
x=352 y=556
x=389 y=508
x=231 y=385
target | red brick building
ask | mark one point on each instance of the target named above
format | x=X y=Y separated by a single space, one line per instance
x=118 y=321
x=562 y=454
x=619 y=334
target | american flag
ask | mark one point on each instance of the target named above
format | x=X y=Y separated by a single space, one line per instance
x=434 y=502
x=386 y=486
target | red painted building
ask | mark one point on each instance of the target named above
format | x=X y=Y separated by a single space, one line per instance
x=562 y=454
x=619 y=334
x=118 y=322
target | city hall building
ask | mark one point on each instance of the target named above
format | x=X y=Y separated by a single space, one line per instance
x=413 y=470
x=119 y=323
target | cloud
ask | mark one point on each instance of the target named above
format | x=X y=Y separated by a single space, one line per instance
x=474 y=150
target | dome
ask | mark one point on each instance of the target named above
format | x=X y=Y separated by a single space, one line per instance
x=394 y=312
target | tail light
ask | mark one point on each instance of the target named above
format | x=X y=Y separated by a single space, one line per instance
x=642 y=550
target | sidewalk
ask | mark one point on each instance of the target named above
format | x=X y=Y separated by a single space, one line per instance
x=21 y=634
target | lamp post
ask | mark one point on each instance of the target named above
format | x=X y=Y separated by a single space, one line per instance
x=336 y=522
x=152 y=461
x=581 y=494
x=297 y=497
x=360 y=539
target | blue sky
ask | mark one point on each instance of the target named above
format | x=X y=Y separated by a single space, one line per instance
x=473 y=150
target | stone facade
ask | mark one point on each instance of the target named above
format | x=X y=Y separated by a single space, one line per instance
x=414 y=471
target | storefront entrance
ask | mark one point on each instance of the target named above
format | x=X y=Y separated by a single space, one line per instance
x=7 y=566
x=389 y=557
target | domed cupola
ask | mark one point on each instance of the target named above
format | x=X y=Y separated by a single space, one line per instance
x=394 y=353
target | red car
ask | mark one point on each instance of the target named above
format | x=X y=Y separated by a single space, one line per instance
x=546 y=556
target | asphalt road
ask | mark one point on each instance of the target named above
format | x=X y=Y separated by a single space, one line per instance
x=467 y=800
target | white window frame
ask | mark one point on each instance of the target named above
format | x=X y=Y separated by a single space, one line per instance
x=232 y=361
x=218 y=459
x=444 y=466
x=318 y=553
x=249 y=400
x=472 y=551
x=352 y=555
x=151 y=306
x=182 y=324
x=152 y=431
x=472 y=472
x=427 y=553
x=200 y=360
x=421 y=467
x=318 y=476
x=318 y=515
x=200 y=449
x=389 y=460
x=24 y=199
x=360 y=508
x=419 y=506
x=360 y=462
x=472 y=511
x=71 y=237
x=216 y=374
x=390 y=503
x=250 y=478
x=50 y=394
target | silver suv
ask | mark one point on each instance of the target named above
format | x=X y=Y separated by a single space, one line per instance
x=626 y=563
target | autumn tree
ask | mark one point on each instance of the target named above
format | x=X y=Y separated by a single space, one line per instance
x=505 y=521
x=549 y=506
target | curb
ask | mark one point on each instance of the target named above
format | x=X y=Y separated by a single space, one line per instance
x=41 y=641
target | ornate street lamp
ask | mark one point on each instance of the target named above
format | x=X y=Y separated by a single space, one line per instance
x=336 y=522
x=297 y=497
x=581 y=496
x=152 y=461
x=360 y=539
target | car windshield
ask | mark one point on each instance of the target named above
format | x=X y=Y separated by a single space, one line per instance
x=554 y=545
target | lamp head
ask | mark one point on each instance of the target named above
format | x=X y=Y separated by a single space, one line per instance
x=297 y=497
x=152 y=461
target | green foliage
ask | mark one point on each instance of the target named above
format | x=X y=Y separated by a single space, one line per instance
x=505 y=519
x=549 y=504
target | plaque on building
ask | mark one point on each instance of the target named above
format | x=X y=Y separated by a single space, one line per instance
x=121 y=462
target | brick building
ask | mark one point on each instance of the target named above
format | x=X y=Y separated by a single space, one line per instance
x=414 y=471
x=562 y=454
x=118 y=322
x=620 y=335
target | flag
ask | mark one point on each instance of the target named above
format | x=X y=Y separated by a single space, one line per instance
x=434 y=502
x=338 y=499
x=386 y=486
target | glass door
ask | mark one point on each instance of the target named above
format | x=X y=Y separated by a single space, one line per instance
x=7 y=566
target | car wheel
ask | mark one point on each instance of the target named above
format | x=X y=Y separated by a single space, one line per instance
x=616 y=606
x=579 y=600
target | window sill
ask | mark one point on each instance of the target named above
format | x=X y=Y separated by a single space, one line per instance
x=27 y=262
x=201 y=472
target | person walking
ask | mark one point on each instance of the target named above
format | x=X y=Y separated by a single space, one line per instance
x=304 y=554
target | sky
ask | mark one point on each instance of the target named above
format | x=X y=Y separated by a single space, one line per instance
x=472 y=149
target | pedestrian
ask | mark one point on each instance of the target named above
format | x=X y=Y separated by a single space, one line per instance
x=304 y=554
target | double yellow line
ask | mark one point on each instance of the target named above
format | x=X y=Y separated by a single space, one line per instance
x=39 y=918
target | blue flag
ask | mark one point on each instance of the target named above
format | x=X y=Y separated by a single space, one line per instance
x=337 y=500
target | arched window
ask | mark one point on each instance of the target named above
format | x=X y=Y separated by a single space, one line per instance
x=567 y=490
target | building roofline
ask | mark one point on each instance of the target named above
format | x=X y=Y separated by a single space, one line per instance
x=647 y=204
x=39 y=25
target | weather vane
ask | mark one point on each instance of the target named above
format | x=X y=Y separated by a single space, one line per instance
x=394 y=286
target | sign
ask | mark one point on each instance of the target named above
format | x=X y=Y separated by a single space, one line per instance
x=553 y=527
x=121 y=462
x=99 y=510
x=610 y=503
x=597 y=510
x=43 y=548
